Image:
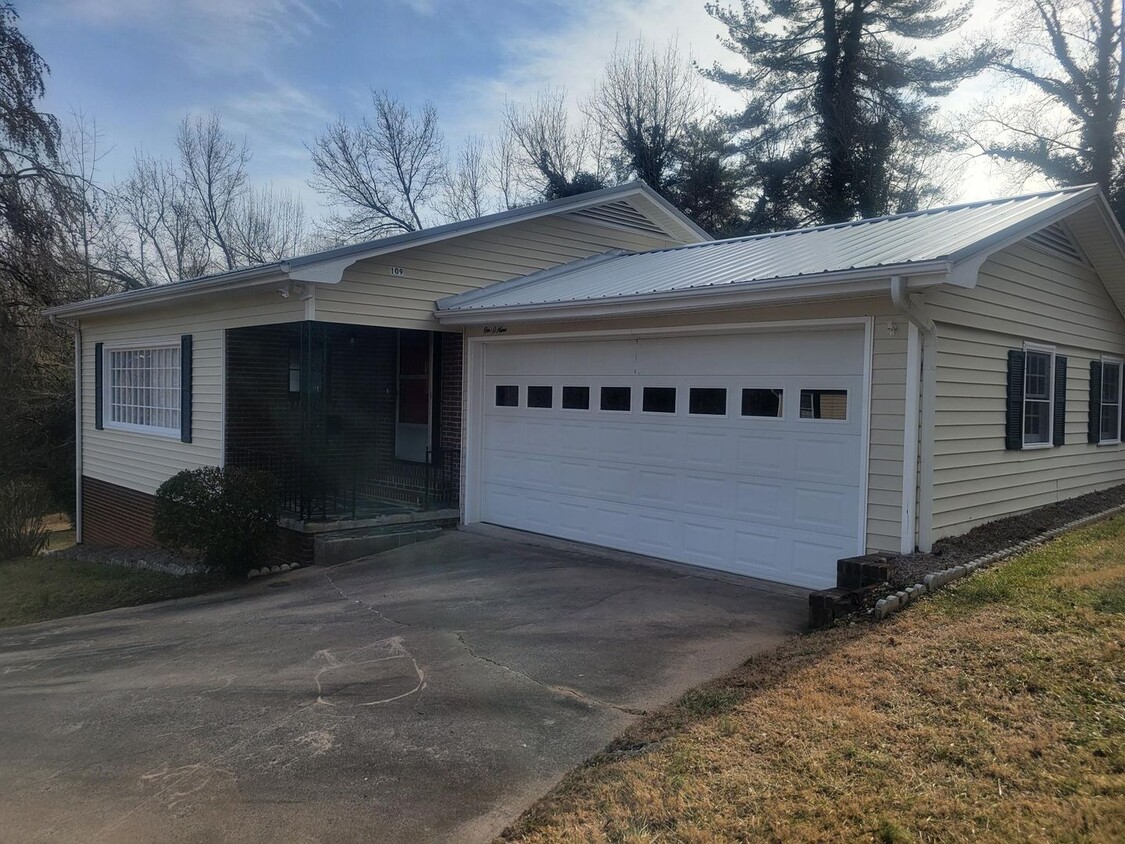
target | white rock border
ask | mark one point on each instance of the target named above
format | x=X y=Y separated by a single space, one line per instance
x=936 y=580
x=264 y=570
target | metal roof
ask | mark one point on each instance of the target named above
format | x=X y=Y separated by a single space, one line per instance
x=949 y=234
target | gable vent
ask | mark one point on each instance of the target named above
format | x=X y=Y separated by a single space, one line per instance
x=1055 y=239
x=620 y=214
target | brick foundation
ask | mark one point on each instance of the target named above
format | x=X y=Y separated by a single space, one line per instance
x=115 y=516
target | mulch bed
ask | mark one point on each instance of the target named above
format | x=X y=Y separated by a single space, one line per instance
x=1000 y=534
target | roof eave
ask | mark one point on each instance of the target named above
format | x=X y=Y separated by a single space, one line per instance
x=968 y=261
x=329 y=267
x=825 y=286
x=169 y=293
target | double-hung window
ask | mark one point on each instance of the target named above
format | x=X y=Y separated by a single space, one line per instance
x=1110 y=421
x=143 y=389
x=1037 y=396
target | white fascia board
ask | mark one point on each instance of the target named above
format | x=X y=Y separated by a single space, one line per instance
x=847 y=285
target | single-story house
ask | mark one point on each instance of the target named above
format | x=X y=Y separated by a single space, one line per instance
x=597 y=368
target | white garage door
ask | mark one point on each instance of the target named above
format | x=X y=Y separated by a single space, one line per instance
x=737 y=452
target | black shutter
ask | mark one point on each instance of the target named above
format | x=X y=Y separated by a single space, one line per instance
x=1059 y=437
x=1013 y=431
x=1094 y=430
x=185 y=388
x=99 y=394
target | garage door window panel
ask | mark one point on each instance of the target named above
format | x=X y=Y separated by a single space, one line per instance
x=707 y=401
x=763 y=403
x=617 y=399
x=507 y=395
x=658 y=400
x=540 y=396
x=576 y=398
x=824 y=405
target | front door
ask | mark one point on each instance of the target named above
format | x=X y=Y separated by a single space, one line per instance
x=415 y=375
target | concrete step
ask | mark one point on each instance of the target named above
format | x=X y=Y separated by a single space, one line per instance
x=330 y=549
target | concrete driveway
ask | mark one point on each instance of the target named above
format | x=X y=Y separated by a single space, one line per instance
x=428 y=694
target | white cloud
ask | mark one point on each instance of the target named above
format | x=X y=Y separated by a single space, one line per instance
x=216 y=34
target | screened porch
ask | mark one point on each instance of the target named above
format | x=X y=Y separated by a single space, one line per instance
x=352 y=421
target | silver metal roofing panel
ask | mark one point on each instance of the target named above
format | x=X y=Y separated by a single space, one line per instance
x=951 y=233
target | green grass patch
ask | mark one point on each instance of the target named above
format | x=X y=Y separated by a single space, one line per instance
x=993 y=711
x=43 y=588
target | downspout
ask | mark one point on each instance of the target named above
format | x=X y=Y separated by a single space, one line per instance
x=76 y=329
x=919 y=350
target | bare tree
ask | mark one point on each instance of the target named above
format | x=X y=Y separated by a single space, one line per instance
x=556 y=155
x=466 y=191
x=504 y=165
x=170 y=244
x=1069 y=60
x=383 y=172
x=214 y=173
x=648 y=101
x=97 y=240
x=268 y=225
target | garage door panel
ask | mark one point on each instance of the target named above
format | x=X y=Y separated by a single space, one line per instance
x=810 y=553
x=704 y=449
x=656 y=443
x=761 y=554
x=777 y=498
x=614 y=482
x=713 y=495
x=658 y=534
x=827 y=460
x=764 y=502
x=709 y=543
x=823 y=509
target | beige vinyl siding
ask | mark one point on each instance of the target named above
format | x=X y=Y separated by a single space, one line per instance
x=143 y=461
x=370 y=295
x=1024 y=293
x=884 y=503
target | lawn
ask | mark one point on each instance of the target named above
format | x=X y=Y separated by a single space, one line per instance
x=994 y=711
x=46 y=587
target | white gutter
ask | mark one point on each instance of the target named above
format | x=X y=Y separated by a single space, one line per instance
x=919 y=350
x=76 y=329
x=847 y=283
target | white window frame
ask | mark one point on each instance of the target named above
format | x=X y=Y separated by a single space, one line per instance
x=1050 y=441
x=108 y=352
x=1101 y=401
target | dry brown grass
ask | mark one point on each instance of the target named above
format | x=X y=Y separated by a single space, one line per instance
x=992 y=712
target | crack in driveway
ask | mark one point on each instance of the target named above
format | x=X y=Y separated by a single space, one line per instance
x=565 y=691
x=364 y=604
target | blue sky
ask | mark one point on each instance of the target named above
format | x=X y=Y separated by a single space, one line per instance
x=279 y=70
